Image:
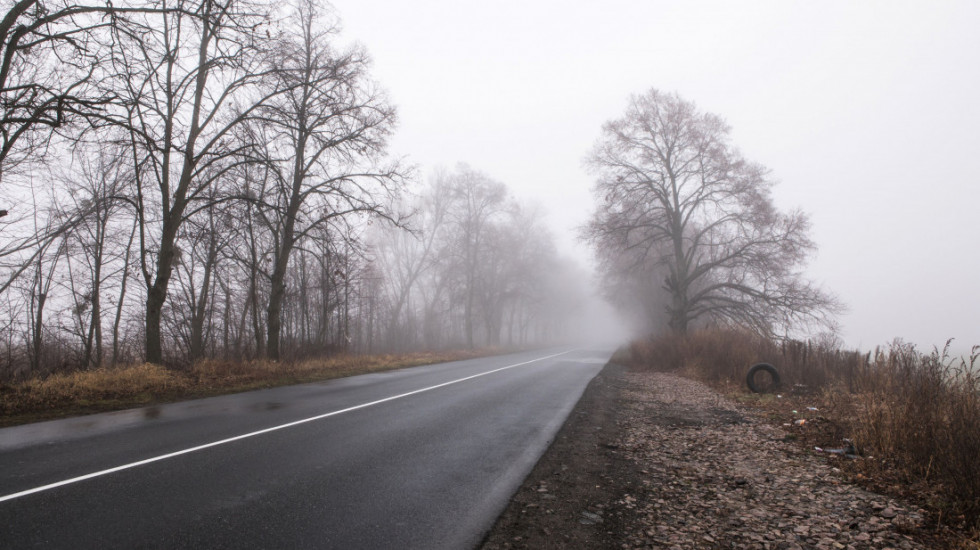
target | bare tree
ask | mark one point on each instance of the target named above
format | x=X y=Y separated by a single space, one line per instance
x=404 y=256
x=36 y=98
x=522 y=284
x=672 y=186
x=329 y=128
x=197 y=275
x=478 y=200
x=95 y=183
x=44 y=276
x=477 y=269
x=188 y=78
x=123 y=285
x=20 y=251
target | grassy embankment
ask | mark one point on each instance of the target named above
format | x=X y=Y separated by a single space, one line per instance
x=107 y=389
x=915 y=417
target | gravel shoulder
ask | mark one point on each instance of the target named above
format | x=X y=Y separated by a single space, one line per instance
x=655 y=460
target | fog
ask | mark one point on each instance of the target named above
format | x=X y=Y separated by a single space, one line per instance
x=865 y=113
x=372 y=176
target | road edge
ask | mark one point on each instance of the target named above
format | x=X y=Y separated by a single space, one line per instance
x=561 y=502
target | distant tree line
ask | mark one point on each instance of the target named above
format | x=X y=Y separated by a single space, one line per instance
x=478 y=269
x=200 y=178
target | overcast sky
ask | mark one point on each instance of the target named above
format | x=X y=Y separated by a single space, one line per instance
x=867 y=113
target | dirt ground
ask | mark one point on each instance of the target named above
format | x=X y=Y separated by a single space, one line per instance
x=655 y=460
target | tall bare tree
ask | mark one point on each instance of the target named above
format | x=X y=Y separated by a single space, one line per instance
x=197 y=273
x=671 y=186
x=188 y=79
x=404 y=256
x=328 y=127
x=96 y=184
x=478 y=200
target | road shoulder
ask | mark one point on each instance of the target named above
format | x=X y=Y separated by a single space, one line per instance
x=655 y=460
x=565 y=501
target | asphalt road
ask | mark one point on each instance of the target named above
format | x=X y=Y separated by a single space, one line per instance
x=417 y=458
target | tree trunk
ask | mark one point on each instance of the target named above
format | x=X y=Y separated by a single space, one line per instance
x=278 y=290
x=256 y=320
x=122 y=295
x=95 y=326
x=240 y=335
x=154 y=312
x=680 y=308
x=38 y=332
x=226 y=323
x=678 y=316
x=288 y=239
x=199 y=315
x=274 y=312
x=157 y=293
x=43 y=287
x=468 y=313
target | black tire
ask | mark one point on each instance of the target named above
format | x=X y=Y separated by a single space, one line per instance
x=750 y=379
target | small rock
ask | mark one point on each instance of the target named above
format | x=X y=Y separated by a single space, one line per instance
x=588 y=518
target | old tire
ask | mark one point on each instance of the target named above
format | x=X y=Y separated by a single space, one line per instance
x=763 y=367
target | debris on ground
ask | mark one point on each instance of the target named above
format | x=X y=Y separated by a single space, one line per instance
x=655 y=460
x=717 y=484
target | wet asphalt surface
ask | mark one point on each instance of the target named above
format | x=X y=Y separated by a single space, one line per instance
x=427 y=470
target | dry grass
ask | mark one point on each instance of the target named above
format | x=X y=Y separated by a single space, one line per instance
x=720 y=355
x=137 y=383
x=917 y=413
x=105 y=389
x=922 y=413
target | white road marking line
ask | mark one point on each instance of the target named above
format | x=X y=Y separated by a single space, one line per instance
x=260 y=432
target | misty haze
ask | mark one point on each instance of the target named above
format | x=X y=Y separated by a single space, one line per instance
x=399 y=271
